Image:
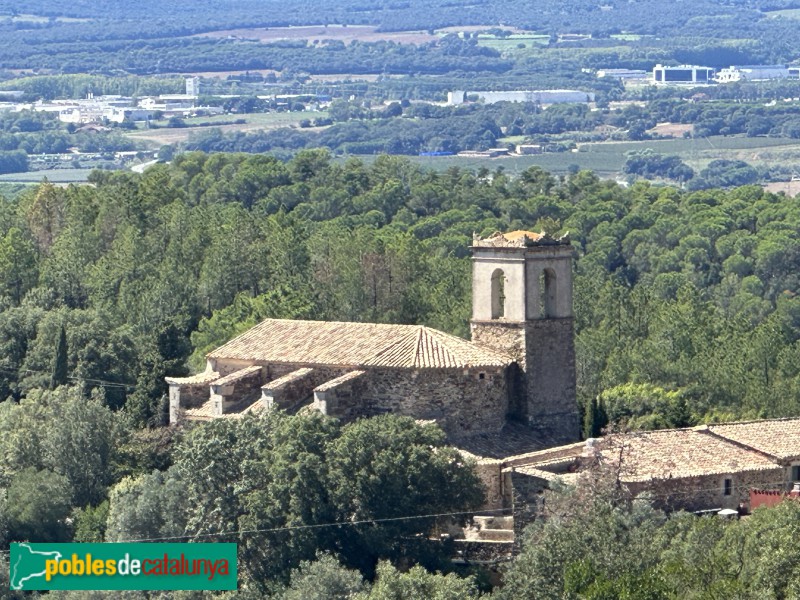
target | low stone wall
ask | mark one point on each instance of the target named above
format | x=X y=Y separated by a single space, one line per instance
x=483 y=552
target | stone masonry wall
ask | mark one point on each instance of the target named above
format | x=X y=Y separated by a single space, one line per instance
x=550 y=379
x=288 y=390
x=460 y=401
x=342 y=397
x=500 y=336
x=183 y=396
x=707 y=492
x=527 y=501
x=491 y=476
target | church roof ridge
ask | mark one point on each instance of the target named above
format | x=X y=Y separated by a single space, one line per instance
x=357 y=344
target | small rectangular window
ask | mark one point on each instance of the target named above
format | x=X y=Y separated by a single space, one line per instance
x=795 y=472
x=481 y=375
x=728 y=486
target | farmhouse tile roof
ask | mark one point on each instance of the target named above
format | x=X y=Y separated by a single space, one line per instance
x=357 y=345
x=678 y=453
x=779 y=437
x=510 y=441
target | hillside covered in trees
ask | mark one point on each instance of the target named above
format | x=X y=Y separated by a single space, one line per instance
x=687 y=311
x=90 y=37
x=148 y=271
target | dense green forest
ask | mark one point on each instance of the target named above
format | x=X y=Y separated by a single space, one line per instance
x=686 y=310
x=145 y=270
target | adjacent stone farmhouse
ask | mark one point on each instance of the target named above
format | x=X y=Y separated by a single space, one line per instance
x=705 y=468
x=518 y=370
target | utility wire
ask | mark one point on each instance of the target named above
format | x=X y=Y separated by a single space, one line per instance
x=99 y=382
x=395 y=519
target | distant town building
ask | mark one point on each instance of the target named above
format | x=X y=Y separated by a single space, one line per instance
x=751 y=73
x=529 y=149
x=118 y=115
x=456 y=97
x=683 y=74
x=193 y=86
x=535 y=96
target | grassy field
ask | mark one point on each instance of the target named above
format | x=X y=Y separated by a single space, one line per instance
x=253 y=122
x=515 y=44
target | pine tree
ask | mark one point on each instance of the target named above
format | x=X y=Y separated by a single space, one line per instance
x=59 y=376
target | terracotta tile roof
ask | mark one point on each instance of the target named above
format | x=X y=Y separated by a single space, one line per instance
x=513 y=439
x=357 y=344
x=199 y=378
x=280 y=382
x=778 y=437
x=679 y=453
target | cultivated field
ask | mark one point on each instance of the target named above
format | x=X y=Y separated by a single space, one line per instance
x=319 y=33
x=253 y=122
x=607 y=159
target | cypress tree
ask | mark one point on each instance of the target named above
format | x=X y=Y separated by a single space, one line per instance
x=59 y=376
x=589 y=415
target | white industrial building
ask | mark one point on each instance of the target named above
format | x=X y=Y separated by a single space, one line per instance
x=535 y=96
x=682 y=74
x=735 y=73
x=623 y=74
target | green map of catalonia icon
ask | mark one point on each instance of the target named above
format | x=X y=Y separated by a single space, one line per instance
x=27 y=564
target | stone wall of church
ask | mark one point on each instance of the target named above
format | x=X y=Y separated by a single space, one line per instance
x=461 y=401
x=185 y=396
x=342 y=397
x=552 y=407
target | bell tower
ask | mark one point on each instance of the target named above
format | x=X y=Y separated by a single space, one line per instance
x=522 y=306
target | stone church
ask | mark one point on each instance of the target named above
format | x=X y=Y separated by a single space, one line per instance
x=509 y=390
